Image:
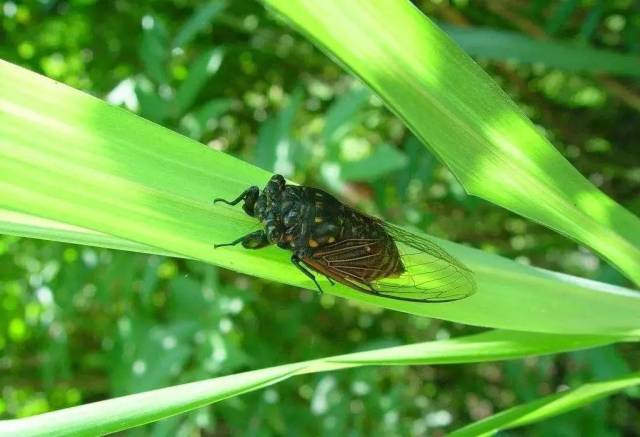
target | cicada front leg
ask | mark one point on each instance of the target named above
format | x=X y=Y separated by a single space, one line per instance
x=254 y=240
x=250 y=196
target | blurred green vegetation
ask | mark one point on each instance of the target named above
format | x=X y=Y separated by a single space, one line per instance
x=79 y=324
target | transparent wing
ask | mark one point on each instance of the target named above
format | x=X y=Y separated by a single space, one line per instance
x=431 y=273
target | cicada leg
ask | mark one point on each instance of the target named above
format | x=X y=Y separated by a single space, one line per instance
x=254 y=240
x=250 y=196
x=296 y=262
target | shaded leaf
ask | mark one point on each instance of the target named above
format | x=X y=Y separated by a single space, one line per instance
x=384 y=160
x=200 y=19
x=341 y=114
x=503 y=45
x=200 y=71
x=547 y=406
x=154 y=49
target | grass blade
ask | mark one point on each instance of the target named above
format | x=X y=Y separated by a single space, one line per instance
x=117 y=414
x=547 y=406
x=201 y=18
x=498 y=44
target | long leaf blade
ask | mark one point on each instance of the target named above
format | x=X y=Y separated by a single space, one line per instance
x=547 y=406
x=117 y=414
x=498 y=44
x=73 y=159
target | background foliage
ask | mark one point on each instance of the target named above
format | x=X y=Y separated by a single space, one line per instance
x=78 y=324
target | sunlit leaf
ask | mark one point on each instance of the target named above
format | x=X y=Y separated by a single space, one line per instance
x=126 y=177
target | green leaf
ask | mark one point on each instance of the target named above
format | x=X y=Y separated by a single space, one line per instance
x=139 y=368
x=154 y=49
x=561 y=14
x=196 y=123
x=455 y=108
x=503 y=45
x=341 y=114
x=117 y=414
x=73 y=159
x=384 y=159
x=547 y=406
x=24 y=225
x=592 y=20
x=200 y=71
x=421 y=166
x=273 y=151
x=200 y=19
x=152 y=106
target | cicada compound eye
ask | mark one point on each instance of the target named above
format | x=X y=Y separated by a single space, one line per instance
x=279 y=181
x=275 y=185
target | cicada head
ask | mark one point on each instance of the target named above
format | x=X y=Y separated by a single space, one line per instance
x=274 y=187
x=268 y=204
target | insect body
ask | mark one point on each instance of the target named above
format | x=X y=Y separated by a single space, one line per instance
x=349 y=247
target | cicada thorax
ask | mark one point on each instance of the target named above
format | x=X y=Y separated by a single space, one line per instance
x=314 y=224
x=302 y=219
x=355 y=244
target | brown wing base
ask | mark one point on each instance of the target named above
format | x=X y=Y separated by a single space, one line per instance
x=366 y=287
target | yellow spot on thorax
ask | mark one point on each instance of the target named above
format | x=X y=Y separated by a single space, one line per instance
x=313 y=243
x=318 y=220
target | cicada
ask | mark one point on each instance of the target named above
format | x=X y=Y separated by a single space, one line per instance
x=349 y=247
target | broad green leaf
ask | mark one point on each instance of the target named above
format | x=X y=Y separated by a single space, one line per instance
x=547 y=406
x=497 y=44
x=200 y=19
x=117 y=414
x=455 y=108
x=73 y=159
